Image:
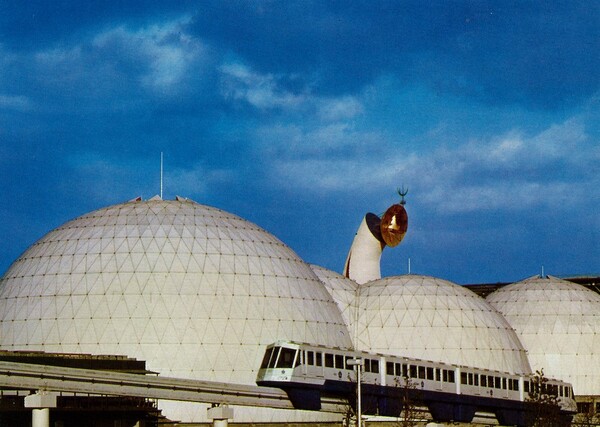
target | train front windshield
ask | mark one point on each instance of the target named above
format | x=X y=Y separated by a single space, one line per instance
x=279 y=357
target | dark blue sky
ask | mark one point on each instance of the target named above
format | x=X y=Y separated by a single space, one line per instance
x=303 y=116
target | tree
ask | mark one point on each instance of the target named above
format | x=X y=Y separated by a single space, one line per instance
x=408 y=392
x=588 y=418
x=349 y=409
x=543 y=404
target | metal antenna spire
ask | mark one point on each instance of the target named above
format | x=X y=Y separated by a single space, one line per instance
x=402 y=192
x=161 y=175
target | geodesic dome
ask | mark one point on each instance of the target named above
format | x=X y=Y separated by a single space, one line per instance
x=194 y=291
x=558 y=323
x=343 y=290
x=429 y=318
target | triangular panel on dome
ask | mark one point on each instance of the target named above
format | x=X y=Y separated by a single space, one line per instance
x=85 y=332
x=67 y=333
x=163 y=262
x=254 y=265
x=213 y=332
x=99 y=307
x=138 y=306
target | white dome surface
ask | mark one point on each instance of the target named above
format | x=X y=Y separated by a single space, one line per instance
x=194 y=291
x=343 y=290
x=558 y=322
x=433 y=319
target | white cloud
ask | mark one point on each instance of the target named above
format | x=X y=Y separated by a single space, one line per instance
x=158 y=58
x=302 y=141
x=12 y=102
x=561 y=140
x=167 y=51
x=268 y=91
x=509 y=172
x=259 y=90
x=508 y=149
x=197 y=180
x=334 y=109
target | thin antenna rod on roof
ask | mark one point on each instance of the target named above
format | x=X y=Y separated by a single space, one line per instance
x=408 y=265
x=161 y=175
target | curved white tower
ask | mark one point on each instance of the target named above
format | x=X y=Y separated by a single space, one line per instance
x=374 y=233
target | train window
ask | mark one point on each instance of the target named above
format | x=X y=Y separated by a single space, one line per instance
x=389 y=368
x=405 y=370
x=484 y=381
x=286 y=358
x=339 y=361
x=470 y=376
x=476 y=379
x=429 y=373
x=516 y=385
x=265 y=362
x=561 y=391
x=463 y=378
x=310 y=357
x=451 y=376
x=328 y=360
x=422 y=372
x=526 y=385
x=510 y=384
x=372 y=366
x=319 y=359
x=413 y=371
x=349 y=367
x=438 y=376
x=503 y=383
x=398 y=368
x=497 y=382
x=490 y=381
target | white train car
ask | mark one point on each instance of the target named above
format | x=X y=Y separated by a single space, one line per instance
x=450 y=392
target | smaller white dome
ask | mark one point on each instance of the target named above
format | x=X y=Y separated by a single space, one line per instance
x=429 y=318
x=558 y=322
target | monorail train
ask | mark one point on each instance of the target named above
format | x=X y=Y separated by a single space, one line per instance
x=450 y=392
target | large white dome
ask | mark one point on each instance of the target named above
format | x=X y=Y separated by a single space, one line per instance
x=194 y=291
x=430 y=318
x=558 y=322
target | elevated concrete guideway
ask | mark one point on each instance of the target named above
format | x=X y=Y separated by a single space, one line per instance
x=24 y=376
